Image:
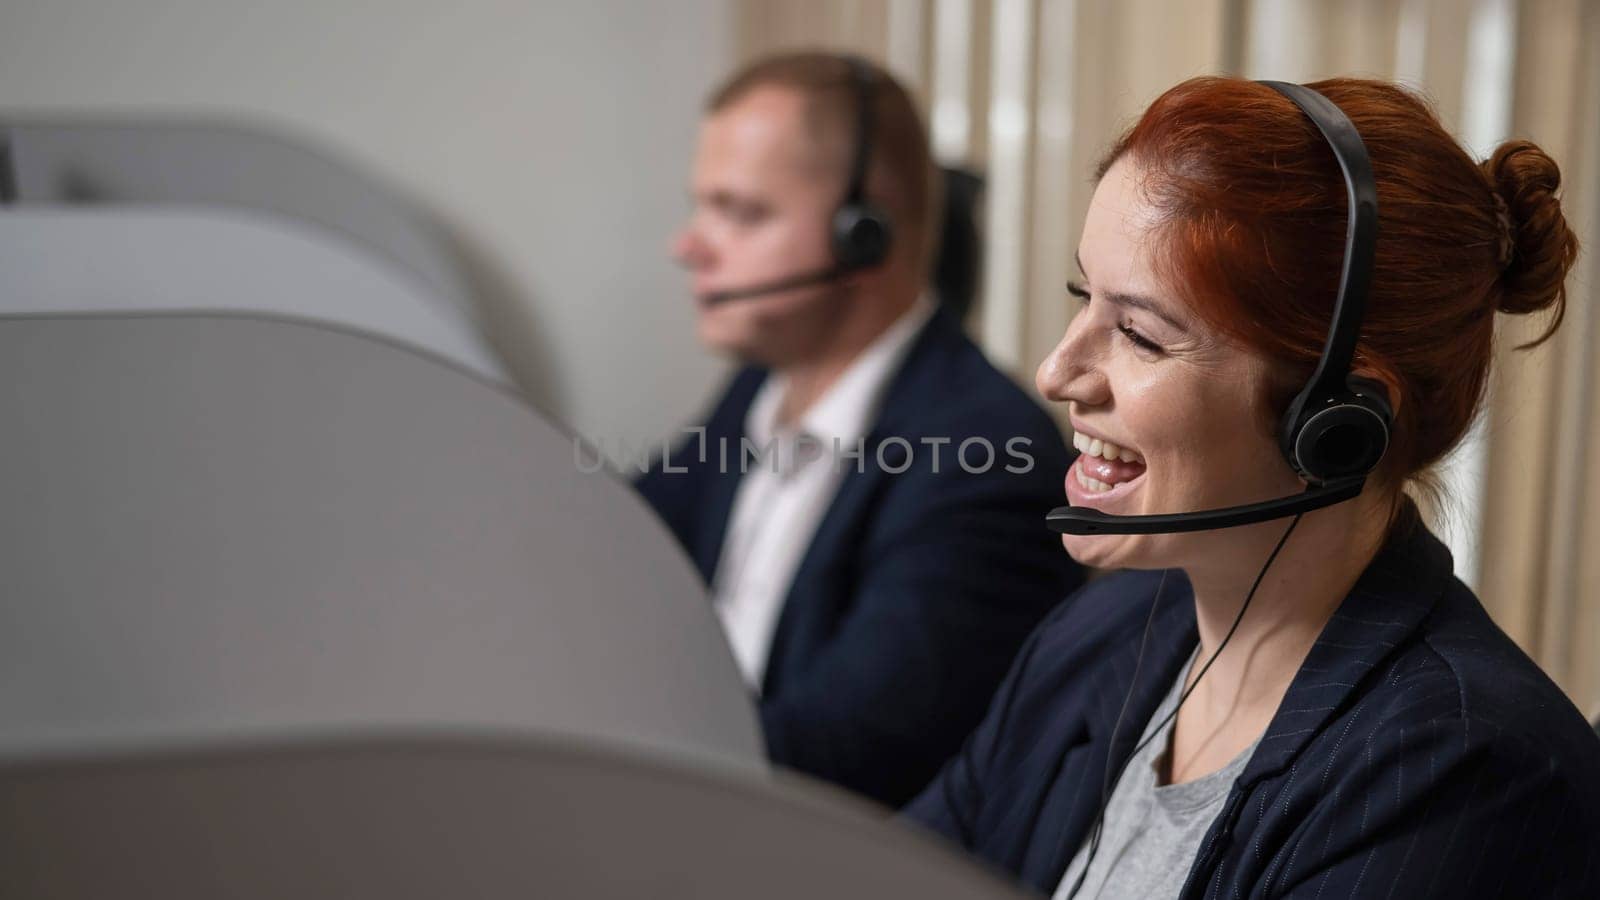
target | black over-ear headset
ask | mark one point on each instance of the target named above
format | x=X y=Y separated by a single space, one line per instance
x=1337 y=428
x=860 y=232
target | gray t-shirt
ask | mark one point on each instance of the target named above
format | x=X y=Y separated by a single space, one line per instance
x=1152 y=832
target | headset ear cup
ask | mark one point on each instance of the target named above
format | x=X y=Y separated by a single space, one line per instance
x=1345 y=436
x=861 y=236
x=1373 y=395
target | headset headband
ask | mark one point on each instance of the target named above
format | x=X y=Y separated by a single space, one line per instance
x=863 y=82
x=1360 y=238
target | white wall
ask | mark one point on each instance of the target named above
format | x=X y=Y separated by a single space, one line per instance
x=552 y=138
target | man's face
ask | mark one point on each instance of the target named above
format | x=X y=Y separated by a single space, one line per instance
x=763 y=197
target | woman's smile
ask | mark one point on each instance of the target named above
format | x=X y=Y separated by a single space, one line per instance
x=1104 y=472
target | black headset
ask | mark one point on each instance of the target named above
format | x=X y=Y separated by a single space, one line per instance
x=860 y=232
x=1336 y=429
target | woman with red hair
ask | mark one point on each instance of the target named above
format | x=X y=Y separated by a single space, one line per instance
x=1361 y=727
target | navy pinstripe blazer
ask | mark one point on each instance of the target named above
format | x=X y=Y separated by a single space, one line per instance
x=1417 y=753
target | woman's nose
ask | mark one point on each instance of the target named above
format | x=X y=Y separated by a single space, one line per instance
x=1072 y=372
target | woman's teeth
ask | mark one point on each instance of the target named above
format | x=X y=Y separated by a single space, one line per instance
x=1103 y=449
x=1105 y=459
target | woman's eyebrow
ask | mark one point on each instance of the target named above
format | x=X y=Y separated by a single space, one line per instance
x=1137 y=301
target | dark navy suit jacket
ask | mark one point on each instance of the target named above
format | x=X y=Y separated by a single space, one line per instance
x=1417 y=753
x=917 y=588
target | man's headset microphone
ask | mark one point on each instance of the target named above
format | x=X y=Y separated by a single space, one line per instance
x=860 y=232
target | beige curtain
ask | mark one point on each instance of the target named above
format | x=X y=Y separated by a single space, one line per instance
x=1030 y=91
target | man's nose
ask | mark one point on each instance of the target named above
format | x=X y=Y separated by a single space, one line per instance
x=689 y=248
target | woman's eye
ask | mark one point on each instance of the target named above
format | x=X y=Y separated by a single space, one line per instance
x=1139 y=340
x=1134 y=337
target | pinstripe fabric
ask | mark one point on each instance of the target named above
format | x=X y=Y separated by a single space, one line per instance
x=1418 y=752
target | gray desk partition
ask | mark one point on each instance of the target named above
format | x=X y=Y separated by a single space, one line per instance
x=154 y=259
x=292 y=611
x=228 y=177
x=224 y=529
x=300 y=600
x=100 y=162
x=450 y=819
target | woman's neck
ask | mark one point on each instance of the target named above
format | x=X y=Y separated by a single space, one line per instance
x=1300 y=591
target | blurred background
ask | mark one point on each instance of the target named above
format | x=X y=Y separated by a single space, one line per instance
x=550 y=143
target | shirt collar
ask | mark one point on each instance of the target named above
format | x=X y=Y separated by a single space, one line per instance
x=845 y=412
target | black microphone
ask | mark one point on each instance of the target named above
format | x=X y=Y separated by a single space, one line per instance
x=803 y=279
x=1084 y=520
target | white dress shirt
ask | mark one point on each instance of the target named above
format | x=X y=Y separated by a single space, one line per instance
x=781 y=498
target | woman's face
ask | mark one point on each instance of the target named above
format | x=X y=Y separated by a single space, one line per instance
x=1184 y=409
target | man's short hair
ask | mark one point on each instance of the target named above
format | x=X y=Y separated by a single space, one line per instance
x=901 y=176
